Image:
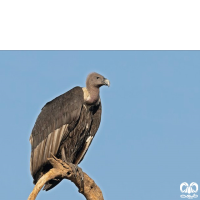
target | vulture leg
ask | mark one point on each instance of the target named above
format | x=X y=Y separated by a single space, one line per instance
x=76 y=169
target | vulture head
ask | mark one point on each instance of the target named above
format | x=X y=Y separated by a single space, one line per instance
x=96 y=80
x=93 y=83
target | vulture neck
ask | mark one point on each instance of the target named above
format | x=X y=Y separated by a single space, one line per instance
x=91 y=95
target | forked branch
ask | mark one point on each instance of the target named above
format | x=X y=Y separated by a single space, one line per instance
x=63 y=170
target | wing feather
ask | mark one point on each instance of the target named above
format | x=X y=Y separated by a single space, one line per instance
x=52 y=124
x=41 y=149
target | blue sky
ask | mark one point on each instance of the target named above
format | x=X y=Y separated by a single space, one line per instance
x=148 y=140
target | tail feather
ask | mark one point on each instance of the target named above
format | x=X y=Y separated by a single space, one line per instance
x=51 y=184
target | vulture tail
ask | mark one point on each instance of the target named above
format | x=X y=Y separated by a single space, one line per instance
x=51 y=184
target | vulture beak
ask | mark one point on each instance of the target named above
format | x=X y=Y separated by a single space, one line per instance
x=106 y=82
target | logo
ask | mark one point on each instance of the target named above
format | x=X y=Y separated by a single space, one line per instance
x=192 y=188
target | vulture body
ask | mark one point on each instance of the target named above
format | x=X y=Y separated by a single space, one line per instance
x=65 y=127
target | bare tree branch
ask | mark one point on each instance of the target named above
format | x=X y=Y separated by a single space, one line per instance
x=63 y=170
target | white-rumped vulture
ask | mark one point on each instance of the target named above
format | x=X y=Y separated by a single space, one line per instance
x=66 y=126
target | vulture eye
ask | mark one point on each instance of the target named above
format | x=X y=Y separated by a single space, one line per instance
x=98 y=77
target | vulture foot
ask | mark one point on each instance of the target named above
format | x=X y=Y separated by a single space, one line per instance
x=76 y=169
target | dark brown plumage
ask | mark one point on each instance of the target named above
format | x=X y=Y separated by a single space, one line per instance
x=66 y=126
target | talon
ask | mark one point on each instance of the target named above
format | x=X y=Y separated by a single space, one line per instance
x=74 y=169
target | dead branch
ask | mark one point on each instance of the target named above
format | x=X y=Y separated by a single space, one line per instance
x=63 y=170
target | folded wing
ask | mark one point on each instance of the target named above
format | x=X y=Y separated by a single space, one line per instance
x=57 y=118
